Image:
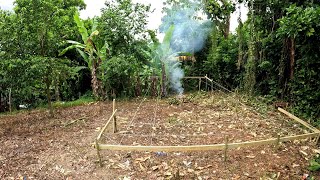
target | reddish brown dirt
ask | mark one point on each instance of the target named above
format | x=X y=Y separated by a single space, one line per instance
x=37 y=147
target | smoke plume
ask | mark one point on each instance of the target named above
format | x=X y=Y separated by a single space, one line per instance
x=189 y=36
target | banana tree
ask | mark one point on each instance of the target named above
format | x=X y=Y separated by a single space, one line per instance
x=160 y=57
x=92 y=51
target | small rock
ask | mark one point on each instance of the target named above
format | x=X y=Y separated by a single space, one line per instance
x=250 y=156
x=186 y=163
x=168 y=173
x=154 y=168
x=295 y=165
x=2 y=158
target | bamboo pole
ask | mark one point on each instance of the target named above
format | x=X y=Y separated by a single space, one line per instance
x=114 y=117
x=199 y=84
x=226 y=148
x=206 y=82
x=211 y=87
x=208 y=78
x=205 y=147
x=98 y=152
x=192 y=77
x=107 y=124
x=307 y=125
x=277 y=142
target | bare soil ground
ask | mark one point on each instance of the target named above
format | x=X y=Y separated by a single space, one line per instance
x=34 y=146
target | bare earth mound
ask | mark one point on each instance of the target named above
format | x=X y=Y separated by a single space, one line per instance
x=36 y=147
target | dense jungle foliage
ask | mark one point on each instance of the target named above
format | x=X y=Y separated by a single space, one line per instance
x=48 y=53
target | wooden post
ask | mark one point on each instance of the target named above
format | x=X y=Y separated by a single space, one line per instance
x=317 y=140
x=277 y=142
x=237 y=116
x=98 y=153
x=225 y=148
x=206 y=83
x=10 y=101
x=114 y=117
x=212 y=86
x=199 y=83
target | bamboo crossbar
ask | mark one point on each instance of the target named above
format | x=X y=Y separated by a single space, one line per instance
x=208 y=78
x=193 y=77
x=307 y=125
x=176 y=124
x=205 y=147
x=107 y=124
x=164 y=135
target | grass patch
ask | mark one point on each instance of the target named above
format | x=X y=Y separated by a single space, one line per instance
x=78 y=102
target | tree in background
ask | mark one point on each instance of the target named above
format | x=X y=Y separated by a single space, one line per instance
x=93 y=50
x=219 y=11
x=285 y=52
x=122 y=23
x=300 y=28
x=36 y=31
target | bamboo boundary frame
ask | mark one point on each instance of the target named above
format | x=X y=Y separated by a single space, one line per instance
x=225 y=146
x=113 y=118
x=304 y=123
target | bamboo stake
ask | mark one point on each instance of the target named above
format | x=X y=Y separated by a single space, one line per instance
x=106 y=125
x=114 y=117
x=317 y=140
x=206 y=83
x=10 y=101
x=226 y=148
x=98 y=152
x=199 y=84
x=277 y=142
x=211 y=87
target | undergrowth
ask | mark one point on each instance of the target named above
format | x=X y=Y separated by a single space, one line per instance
x=78 y=102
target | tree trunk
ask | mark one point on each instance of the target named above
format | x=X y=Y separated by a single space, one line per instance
x=227 y=27
x=94 y=81
x=292 y=59
x=240 y=53
x=49 y=97
x=1 y=108
x=163 y=83
x=138 y=87
x=10 y=101
x=154 y=89
x=57 y=92
x=284 y=68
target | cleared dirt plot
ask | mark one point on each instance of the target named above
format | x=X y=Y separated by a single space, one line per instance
x=36 y=147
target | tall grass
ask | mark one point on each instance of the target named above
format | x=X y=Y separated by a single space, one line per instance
x=78 y=102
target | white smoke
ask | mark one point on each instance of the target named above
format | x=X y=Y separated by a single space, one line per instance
x=189 y=36
x=176 y=75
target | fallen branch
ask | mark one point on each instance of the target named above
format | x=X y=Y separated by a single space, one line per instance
x=83 y=119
